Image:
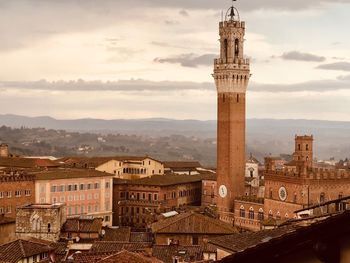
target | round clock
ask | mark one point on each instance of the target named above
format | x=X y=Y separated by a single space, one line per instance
x=282 y=192
x=223 y=191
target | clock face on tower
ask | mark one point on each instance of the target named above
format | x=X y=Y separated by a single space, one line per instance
x=282 y=192
x=223 y=191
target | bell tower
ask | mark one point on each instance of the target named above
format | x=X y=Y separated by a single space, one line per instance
x=231 y=75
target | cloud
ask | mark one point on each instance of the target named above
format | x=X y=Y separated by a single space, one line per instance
x=189 y=60
x=299 y=56
x=140 y=85
x=344 y=66
x=184 y=13
x=121 y=85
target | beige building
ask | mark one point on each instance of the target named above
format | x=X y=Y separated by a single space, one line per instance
x=123 y=167
x=84 y=191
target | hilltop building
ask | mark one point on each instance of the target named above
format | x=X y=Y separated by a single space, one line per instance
x=231 y=75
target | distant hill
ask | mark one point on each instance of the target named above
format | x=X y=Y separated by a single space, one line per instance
x=264 y=136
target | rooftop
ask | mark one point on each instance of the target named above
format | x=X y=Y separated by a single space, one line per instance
x=82 y=225
x=19 y=249
x=192 y=222
x=165 y=180
x=62 y=173
x=166 y=253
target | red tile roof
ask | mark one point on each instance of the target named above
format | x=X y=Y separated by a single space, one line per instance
x=20 y=249
x=79 y=225
x=69 y=174
x=186 y=253
x=129 y=257
x=110 y=247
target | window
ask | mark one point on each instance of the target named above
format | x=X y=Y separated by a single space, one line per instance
x=81 y=187
x=242 y=212
x=322 y=198
x=299 y=147
x=27 y=192
x=106 y=218
x=89 y=186
x=1 y=210
x=295 y=199
x=97 y=185
x=278 y=216
x=48 y=227
x=237 y=98
x=8 y=194
x=225 y=51
x=82 y=208
x=270 y=214
x=149 y=197
x=53 y=188
x=107 y=184
x=70 y=198
x=1 y=194
x=62 y=188
x=155 y=197
x=18 y=193
x=70 y=211
x=270 y=193
x=236 y=47
x=8 y=209
x=261 y=214
x=75 y=187
x=195 y=240
x=251 y=213
x=89 y=197
x=82 y=197
x=54 y=200
x=62 y=199
x=307 y=147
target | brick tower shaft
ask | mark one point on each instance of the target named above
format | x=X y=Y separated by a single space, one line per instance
x=231 y=74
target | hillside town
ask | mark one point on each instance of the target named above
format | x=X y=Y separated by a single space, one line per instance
x=290 y=208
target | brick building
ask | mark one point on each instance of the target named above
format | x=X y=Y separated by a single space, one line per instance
x=85 y=191
x=17 y=189
x=294 y=185
x=138 y=202
x=42 y=221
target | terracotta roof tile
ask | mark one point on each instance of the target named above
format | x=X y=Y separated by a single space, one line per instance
x=192 y=222
x=242 y=241
x=112 y=247
x=20 y=248
x=187 y=253
x=143 y=237
x=20 y=162
x=69 y=173
x=129 y=257
x=167 y=179
x=83 y=225
x=182 y=164
x=120 y=234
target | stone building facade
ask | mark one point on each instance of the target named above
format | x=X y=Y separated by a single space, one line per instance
x=137 y=203
x=17 y=189
x=85 y=191
x=231 y=75
x=42 y=221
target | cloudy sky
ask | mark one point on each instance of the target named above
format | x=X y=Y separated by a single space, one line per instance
x=153 y=58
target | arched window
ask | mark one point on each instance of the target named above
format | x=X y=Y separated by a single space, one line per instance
x=236 y=47
x=270 y=214
x=322 y=198
x=261 y=214
x=36 y=223
x=251 y=213
x=286 y=216
x=242 y=212
x=278 y=216
x=299 y=147
x=237 y=98
x=295 y=198
x=225 y=50
x=307 y=147
x=48 y=227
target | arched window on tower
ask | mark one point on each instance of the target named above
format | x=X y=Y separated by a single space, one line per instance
x=242 y=211
x=236 y=47
x=251 y=213
x=226 y=50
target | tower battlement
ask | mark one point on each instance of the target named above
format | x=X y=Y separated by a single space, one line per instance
x=237 y=24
